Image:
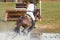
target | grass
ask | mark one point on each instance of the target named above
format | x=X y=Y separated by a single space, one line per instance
x=4 y=26
x=50 y=17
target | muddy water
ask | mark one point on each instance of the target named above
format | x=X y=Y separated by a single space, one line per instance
x=30 y=36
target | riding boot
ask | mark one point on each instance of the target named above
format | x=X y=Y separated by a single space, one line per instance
x=33 y=24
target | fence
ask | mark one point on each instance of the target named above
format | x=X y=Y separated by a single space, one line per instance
x=8 y=0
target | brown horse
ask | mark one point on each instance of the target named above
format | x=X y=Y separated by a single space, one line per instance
x=25 y=22
x=37 y=14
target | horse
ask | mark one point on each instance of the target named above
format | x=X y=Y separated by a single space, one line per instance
x=37 y=14
x=25 y=22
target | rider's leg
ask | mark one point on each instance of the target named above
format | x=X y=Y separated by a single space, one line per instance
x=33 y=20
x=33 y=23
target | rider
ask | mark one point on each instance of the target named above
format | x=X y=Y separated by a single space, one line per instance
x=30 y=10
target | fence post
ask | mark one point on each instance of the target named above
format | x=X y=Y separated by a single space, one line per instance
x=40 y=8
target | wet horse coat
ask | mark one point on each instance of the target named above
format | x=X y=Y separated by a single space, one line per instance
x=25 y=22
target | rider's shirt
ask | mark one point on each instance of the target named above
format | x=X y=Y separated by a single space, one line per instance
x=30 y=7
x=30 y=10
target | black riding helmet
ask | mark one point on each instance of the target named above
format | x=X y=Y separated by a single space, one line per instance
x=31 y=1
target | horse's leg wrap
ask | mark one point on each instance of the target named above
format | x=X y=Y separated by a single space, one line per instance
x=16 y=30
x=25 y=30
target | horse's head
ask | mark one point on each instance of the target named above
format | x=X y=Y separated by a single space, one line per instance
x=37 y=14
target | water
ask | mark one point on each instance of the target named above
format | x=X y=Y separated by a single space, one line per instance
x=50 y=36
x=14 y=36
x=30 y=36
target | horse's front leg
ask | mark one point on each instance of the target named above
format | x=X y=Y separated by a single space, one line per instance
x=25 y=31
x=30 y=29
x=17 y=28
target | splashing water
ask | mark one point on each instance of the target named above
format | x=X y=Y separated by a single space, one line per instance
x=14 y=36
x=30 y=36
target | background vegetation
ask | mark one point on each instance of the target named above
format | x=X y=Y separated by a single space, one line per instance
x=50 y=17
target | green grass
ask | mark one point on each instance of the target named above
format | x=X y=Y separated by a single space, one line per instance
x=50 y=16
x=51 y=11
x=4 y=26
